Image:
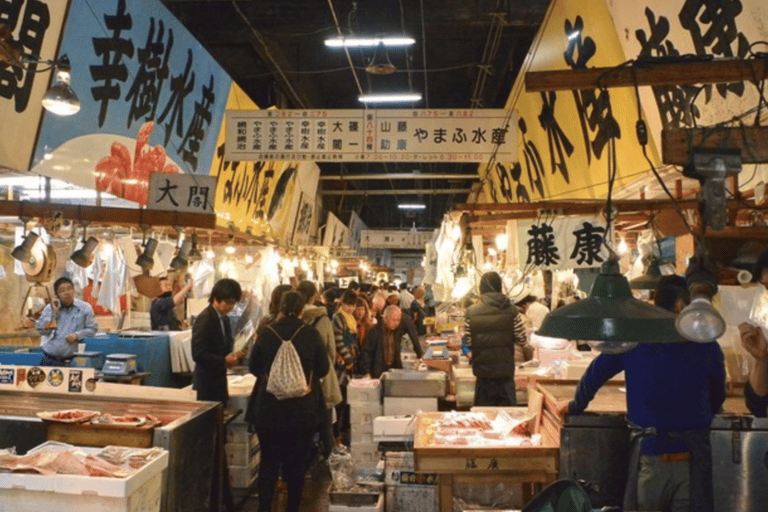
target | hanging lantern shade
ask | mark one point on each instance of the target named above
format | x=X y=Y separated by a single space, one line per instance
x=611 y=314
x=650 y=278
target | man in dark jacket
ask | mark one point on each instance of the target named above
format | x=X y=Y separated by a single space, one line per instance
x=493 y=327
x=382 y=344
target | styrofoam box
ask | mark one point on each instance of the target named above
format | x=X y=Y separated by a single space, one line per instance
x=404 y=405
x=364 y=414
x=361 y=428
x=241 y=477
x=139 y=492
x=358 y=437
x=393 y=427
x=238 y=433
x=366 y=455
x=240 y=454
x=364 y=391
x=378 y=507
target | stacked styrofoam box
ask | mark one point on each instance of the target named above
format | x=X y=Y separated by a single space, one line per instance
x=393 y=428
x=408 y=490
x=139 y=492
x=465 y=387
x=243 y=455
x=364 y=398
x=405 y=405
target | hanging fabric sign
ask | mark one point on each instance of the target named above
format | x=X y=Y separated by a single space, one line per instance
x=561 y=243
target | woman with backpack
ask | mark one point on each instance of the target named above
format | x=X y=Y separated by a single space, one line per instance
x=285 y=426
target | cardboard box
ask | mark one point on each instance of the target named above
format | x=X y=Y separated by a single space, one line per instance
x=364 y=391
x=139 y=492
x=403 y=406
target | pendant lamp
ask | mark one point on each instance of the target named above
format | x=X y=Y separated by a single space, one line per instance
x=611 y=314
x=700 y=321
x=650 y=278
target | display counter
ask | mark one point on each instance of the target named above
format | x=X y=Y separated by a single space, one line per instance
x=469 y=463
x=188 y=430
x=152 y=350
x=595 y=447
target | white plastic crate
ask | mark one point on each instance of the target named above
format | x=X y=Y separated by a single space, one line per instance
x=139 y=492
x=366 y=455
x=405 y=405
x=364 y=414
x=242 y=477
x=240 y=454
x=394 y=428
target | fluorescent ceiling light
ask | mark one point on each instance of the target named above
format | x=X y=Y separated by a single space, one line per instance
x=368 y=42
x=407 y=206
x=389 y=98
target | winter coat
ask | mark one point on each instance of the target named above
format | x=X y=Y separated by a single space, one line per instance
x=317 y=317
x=494 y=328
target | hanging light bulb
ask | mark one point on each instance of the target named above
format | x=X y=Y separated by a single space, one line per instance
x=492 y=252
x=248 y=259
x=700 y=321
x=461 y=288
x=230 y=248
x=623 y=247
x=60 y=99
x=501 y=242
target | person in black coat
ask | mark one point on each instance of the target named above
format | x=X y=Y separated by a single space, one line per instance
x=212 y=343
x=382 y=344
x=285 y=427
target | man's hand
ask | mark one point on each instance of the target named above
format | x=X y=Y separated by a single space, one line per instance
x=234 y=358
x=753 y=341
x=562 y=409
x=72 y=339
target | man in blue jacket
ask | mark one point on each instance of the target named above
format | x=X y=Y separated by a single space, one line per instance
x=673 y=391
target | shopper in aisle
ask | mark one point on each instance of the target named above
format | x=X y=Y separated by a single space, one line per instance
x=381 y=350
x=162 y=311
x=493 y=328
x=285 y=427
x=753 y=339
x=673 y=392
x=417 y=310
x=364 y=320
x=212 y=343
x=347 y=354
x=63 y=324
x=533 y=309
x=317 y=317
x=406 y=297
x=274 y=306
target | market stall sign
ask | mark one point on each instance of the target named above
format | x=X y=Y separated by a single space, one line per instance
x=181 y=192
x=562 y=243
x=152 y=100
x=405 y=135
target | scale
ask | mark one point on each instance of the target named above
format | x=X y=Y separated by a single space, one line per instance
x=88 y=360
x=438 y=349
x=119 y=365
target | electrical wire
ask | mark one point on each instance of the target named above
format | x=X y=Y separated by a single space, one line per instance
x=346 y=50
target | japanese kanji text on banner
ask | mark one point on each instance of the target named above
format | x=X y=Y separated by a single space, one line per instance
x=562 y=243
x=181 y=192
x=372 y=135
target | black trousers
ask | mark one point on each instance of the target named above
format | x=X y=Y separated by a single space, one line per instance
x=495 y=392
x=287 y=451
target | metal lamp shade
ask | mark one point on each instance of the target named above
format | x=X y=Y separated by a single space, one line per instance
x=650 y=279
x=180 y=260
x=194 y=253
x=145 y=259
x=611 y=314
x=83 y=256
x=22 y=252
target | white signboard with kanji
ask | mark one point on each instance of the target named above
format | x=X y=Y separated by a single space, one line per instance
x=561 y=243
x=442 y=135
x=190 y=193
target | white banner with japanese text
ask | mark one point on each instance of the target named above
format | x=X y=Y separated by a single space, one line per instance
x=181 y=192
x=561 y=243
x=407 y=135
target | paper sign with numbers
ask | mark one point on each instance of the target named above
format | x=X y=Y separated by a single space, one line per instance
x=190 y=193
x=439 y=135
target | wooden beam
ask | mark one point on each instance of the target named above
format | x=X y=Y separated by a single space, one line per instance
x=656 y=74
x=579 y=207
x=104 y=215
x=677 y=143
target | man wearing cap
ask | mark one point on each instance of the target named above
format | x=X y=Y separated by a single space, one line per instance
x=493 y=327
x=63 y=323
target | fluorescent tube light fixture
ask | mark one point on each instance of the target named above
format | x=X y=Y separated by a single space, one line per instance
x=409 y=206
x=369 y=42
x=390 y=98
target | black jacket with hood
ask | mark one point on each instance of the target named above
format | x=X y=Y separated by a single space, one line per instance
x=494 y=327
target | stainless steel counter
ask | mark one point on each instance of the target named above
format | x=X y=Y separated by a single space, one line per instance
x=188 y=432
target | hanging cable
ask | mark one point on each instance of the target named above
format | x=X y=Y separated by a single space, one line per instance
x=346 y=51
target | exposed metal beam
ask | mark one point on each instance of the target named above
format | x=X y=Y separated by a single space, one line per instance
x=425 y=191
x=399 y=176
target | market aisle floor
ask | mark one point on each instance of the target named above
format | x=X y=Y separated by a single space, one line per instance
x=314 y=497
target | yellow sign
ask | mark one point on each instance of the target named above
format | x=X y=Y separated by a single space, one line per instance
x=254 y=196
x=563 y=149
